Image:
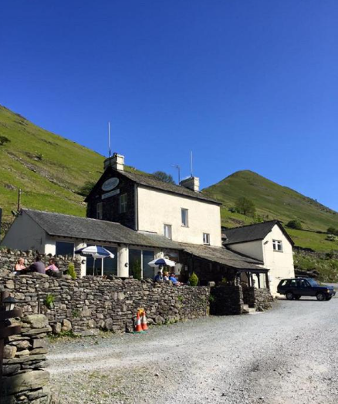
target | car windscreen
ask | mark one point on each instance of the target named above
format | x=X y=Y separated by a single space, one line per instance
x=312 y=282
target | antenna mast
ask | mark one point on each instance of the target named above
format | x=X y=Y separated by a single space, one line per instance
x=191 y=172
x=179 y=172
x=109 y=148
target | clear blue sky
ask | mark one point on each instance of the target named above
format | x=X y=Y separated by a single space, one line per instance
x=244 y=84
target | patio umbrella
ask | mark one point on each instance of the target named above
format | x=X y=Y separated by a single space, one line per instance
x=96 y=252
x=161 y=261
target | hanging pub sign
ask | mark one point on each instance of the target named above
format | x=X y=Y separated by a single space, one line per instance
x=110 y=184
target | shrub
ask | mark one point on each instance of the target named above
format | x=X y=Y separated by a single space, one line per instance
x=193 y=279
x=331 y=237
x=162 y=176
x=136 y=270
x=71 y=271
x=4 y=140
x=294 y=224
x=49 y=301
x=332 y=230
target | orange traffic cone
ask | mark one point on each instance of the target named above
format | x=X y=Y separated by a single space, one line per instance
x=138 y=326
x=144 y=321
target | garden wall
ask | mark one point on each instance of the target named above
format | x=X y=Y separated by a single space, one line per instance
x=226 y=299
x=8 y=259
x=260 y=299
x=93 y=303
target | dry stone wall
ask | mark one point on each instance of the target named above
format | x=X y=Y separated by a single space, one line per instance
x=260 y=299
x=226 y=299
x=88 y=304
x=24 y=378
x=8 y=259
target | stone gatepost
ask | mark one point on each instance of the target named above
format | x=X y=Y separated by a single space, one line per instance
x=24 y=378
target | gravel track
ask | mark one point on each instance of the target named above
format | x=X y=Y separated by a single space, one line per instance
x=286 y=355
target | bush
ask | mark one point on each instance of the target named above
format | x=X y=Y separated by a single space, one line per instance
x=49 y=301
x=71 y=271
x=162 y=176
x=4 y=140
x=136 y=270
x=193 y=280
x=332 y=230
x=295 y=224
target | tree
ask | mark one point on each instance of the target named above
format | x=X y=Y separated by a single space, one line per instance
x=4 y=140
x=162 y=176
x=294 y=224
x=86 y=188
x=331 y=230
x=245 y=206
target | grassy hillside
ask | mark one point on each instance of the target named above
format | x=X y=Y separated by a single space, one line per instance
x=48 y=168
x=274 y=201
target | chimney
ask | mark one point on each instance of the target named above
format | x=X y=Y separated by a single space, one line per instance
x=116 y=162
x=192 y=183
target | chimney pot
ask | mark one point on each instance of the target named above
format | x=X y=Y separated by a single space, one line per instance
x=192 y=183
x=116 y=162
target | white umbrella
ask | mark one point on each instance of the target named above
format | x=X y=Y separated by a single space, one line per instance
x=161 y=261
x=95 y=252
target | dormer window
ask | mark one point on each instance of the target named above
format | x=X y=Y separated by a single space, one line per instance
x=277 y=245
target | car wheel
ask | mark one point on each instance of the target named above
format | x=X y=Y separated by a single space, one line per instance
x=297 y=297
x=289 y=295
x=320 y=297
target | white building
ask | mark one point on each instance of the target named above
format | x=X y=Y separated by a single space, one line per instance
x=267 y=242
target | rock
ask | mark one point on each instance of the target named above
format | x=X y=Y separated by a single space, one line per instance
x=91 y=323
x=22 y=344
x=9 y=351
x=56 y=328
x=24 y=381
x=36 y=320
x=66 y=325
x=108 y=324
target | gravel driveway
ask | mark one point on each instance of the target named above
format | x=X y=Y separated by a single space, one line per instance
x=285 y=355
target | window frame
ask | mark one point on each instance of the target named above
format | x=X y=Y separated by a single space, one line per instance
x=206 y=238
x=276 y=244
x=99 y=210
x=123 y=203
x=186 y=211
x=169 y=226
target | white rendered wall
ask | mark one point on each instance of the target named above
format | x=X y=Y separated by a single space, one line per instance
x=158 y=208
x=25 y=234
x=279 y=263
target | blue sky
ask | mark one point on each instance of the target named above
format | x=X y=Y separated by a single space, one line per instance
x=246 y=84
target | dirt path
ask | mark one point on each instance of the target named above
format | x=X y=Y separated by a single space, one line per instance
x=286 y=355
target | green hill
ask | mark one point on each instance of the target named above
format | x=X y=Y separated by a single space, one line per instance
x=274 y=201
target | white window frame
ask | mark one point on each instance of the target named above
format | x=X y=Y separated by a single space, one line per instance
x=123 y=203
x=99 y=210
x=206 y=238
x=167 y=231
x=184 y=215
x=277 y=245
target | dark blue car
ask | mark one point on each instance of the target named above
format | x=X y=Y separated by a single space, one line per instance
x=295 y=288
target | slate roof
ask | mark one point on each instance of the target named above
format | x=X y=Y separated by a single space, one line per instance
x=100 y=231
x=252 y=232
x=152 y=182
x=223 y=256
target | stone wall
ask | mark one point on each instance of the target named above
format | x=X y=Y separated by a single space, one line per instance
x=8 y=259
x=260 y=299
x=92 y=303
x=226 y=299
x=24 y=378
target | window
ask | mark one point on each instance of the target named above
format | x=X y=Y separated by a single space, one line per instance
x=63 y=248
x=99 y=210
x=277 y=245
x=184 y=217
x=206 y=238
x=123 y=203
x=167 y=231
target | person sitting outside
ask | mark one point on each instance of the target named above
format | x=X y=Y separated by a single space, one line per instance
x=20 y=267
x=173 y=279
x=166 y=276
x=158 y=277
x=52 y=269
x=37 y=266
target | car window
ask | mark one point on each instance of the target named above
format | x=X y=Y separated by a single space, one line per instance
x=293 y=282
x=283 y=282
